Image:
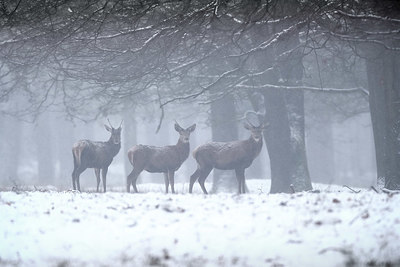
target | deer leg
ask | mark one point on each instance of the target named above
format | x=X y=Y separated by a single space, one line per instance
x=240 y=179
x=171 y=176
x=73 y=179
x=193 y=179
x=97 y=173
x=166 y=182
x=129 y=182
x=202 y=178
x=77 y=183
x=104 y=176
x=244 y=185
x=132 y=178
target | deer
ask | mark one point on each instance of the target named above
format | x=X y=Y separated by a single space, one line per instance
x=236 y=155
x=166 y=159
x=97 y=155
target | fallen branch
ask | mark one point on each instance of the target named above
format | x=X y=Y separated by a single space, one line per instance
x=341 y=250
x=390 y=192
x=373 y=188
x=355 y=191
x=292 y=187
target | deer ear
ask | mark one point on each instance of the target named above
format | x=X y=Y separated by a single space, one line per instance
x=178 y=128
x=192 y=128
x=247 y=126
x=107 y=127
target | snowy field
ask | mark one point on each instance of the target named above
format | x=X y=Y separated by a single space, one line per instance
x=335 y=227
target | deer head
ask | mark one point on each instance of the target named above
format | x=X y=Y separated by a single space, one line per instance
x=115 y=137
x=184 y=133
x=256 y=131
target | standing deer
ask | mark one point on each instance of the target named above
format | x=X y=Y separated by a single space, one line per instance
x=236 y=155
x=165 y=159
x=97 y=155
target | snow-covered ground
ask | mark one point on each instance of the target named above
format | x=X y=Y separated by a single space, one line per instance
x=332 y=228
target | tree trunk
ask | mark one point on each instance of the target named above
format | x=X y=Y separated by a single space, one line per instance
x=10 y=134
x=301 y=175
x=64 y=138
x=224 y=129
x=284 y=110
x=384 y=98
x=44 y=150
x=129 y=136
x=277 y=140
x=290 y=68
x=320 y=147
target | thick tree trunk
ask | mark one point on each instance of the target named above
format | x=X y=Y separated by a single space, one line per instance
x=224 y=129
x=300 y=176
x=284 y=109
x=384 y=87
x=277 y=140
x=285 y=140
x=291 y=73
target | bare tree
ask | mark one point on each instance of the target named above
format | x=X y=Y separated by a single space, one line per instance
x=107 y=53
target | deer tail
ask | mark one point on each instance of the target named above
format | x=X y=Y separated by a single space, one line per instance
x=130 y=156
x=77 y=153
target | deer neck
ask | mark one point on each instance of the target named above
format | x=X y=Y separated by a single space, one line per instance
x=255 y=145
x=114 y=148
x=183 y=149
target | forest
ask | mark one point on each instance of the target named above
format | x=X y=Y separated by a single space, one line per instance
x=322 y=74
x=320 y=77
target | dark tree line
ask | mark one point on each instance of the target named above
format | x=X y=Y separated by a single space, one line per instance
x=66 y=54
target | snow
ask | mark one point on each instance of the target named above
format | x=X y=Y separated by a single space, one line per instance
x=330 y=228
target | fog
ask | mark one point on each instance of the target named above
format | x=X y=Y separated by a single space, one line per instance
x=265 y=133
x=339 y=151
x=320 y=90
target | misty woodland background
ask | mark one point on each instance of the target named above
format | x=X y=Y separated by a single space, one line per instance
x=323 y=74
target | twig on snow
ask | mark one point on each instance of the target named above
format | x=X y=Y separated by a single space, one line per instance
x=390 y=192
x=292 y=187
x=355 y=191
x=373 y=188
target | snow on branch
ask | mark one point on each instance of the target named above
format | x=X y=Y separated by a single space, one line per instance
x=362 y=40
x=370 y=17
x=274 y=39
x=204 y=89
x=307 y=88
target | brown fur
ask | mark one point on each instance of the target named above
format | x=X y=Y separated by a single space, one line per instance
x=154 y=159
x=236 y=155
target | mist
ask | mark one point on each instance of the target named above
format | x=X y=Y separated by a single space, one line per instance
x=260 y=133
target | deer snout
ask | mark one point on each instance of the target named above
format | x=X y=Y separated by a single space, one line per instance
x=257 y=138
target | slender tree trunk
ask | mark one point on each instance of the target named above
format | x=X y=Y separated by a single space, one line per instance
x=129 y=136
x=384 y=87
x=64 y=138
x=10 y=134
x=224 y=129
x=320 y=148
x=44 y=150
